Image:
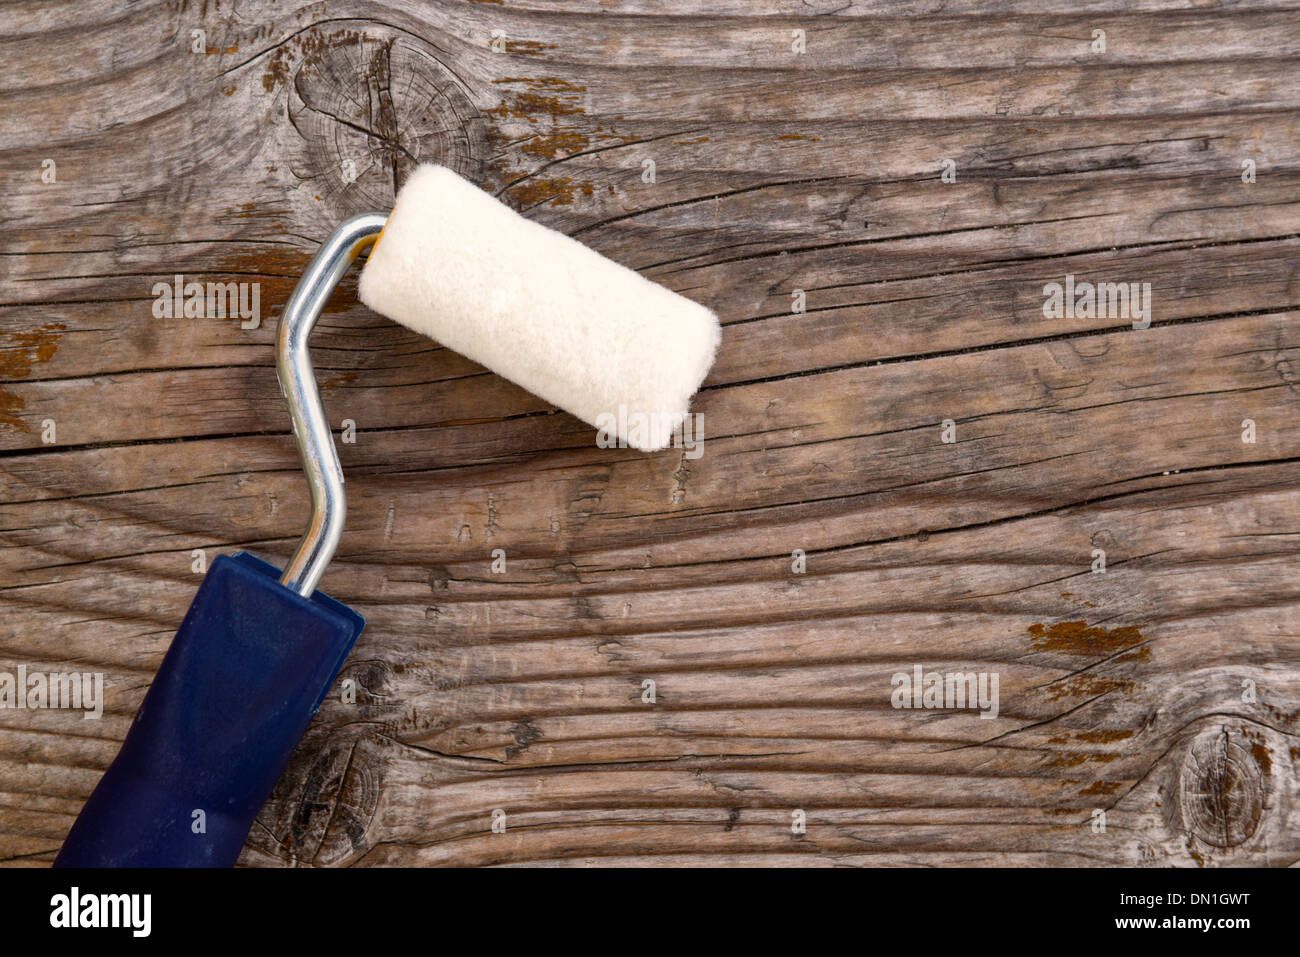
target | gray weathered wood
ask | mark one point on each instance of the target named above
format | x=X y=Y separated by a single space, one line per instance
x=1124 y=691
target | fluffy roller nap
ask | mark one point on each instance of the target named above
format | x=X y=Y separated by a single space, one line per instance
x=581 y=331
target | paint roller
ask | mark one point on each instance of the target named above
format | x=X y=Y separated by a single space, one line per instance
x=259 y=648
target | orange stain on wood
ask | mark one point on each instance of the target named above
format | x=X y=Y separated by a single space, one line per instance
x=556 y=108
x=1260 y=753
x=277 y=269
x=559 y=191
x=22 y=351
x=528 y=47
x=1106 y=736
x=550 y=147
x=1078 y=638
x=533 y=106
x=1089 y=686
x=309 y=46
x=336 y=379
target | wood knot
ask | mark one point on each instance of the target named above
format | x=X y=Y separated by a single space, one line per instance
x=1222 y=786
x=369 y=105
x=320 y=811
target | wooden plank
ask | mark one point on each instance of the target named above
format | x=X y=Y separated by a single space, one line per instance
x=1163 y=691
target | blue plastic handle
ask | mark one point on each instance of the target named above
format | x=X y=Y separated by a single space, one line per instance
x=248 y=669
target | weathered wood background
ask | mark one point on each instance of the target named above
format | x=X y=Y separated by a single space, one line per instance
x=1128 y=691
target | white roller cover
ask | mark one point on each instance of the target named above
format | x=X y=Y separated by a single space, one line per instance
x=577 y=329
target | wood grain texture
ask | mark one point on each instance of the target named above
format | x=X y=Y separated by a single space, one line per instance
x=1126 y=691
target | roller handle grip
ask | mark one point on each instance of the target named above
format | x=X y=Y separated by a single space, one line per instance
x=239 y=685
